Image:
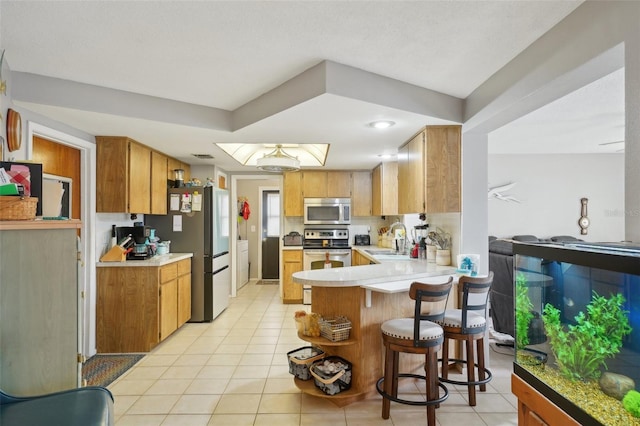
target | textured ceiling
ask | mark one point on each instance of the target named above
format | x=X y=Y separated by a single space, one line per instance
x=226 y=54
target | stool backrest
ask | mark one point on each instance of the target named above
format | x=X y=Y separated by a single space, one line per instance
x=475 y=293
x=437 y=296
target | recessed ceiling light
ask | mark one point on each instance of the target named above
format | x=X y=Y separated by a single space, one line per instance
x=386 y=156
x=381 y=124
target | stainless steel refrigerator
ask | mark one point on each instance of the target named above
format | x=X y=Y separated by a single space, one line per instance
x=197 y=222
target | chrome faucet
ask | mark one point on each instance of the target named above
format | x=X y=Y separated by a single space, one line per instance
x=404 y=248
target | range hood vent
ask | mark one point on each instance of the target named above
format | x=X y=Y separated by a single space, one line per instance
x=204 y=156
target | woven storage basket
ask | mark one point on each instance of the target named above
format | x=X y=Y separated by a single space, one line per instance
x=301 y=359
x=334 y=382
x=13 y=207
x=335 y=329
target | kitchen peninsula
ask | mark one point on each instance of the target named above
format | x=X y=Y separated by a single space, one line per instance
x=367 y=295
x=141 y=302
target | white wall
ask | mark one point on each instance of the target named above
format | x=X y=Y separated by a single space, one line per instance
x=550 y=187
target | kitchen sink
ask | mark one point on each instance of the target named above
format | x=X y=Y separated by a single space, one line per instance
x=383 y=252
x=388 y=254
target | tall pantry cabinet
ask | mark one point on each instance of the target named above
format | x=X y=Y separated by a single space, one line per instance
x=40 y=328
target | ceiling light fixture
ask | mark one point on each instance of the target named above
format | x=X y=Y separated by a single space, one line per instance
x=382 y=124
x=278 y=161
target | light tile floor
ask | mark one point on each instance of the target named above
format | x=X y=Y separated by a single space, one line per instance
x=234 y=371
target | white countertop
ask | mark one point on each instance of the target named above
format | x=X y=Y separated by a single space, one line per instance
x=155 y=261
x=383 y=277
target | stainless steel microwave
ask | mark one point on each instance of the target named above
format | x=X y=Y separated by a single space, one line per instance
x=327 y=211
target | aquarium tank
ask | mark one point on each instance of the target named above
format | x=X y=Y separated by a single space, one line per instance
x=577 y=328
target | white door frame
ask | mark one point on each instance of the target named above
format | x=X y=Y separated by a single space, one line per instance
x=261 y=190
x=87 y=270
x=234 y=229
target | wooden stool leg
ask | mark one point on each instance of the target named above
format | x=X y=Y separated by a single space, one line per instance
x=481 y=373
x=388 y=381
x=431 y=374
x=471 y=371
x=445 y=359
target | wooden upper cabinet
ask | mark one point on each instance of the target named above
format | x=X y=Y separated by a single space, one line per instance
x=361 y=193
x=384 y=189
x=131 y=177
x=292 y=185
x=338 y=184
x=411 y=176
x=322 y=184
x=429 y=171
x=443 y=162
x=314 y=184
x=123 y=175
x=158 y=183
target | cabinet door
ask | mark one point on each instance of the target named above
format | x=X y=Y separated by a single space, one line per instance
x=314 y=184
x=158 y=183
x=338 y=184
x=442 y=184
x=384 y=201
x=168 y=308
x=358 y=260
x=361 y=190
x=39 y=305
x=139 y=178
x=293 y=201
x=291 y=263
x=112 y=165
x=184 y=298
x=411 y=176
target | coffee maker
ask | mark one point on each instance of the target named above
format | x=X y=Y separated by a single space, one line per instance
x=139 y=235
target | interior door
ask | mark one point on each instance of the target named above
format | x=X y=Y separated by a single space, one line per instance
x=270 y=234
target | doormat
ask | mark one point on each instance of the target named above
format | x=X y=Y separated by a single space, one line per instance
x=103 y=369
x=268 y=282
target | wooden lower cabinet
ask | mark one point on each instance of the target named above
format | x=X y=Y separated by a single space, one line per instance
x=358 y=260
x=291 y=263
x=139 y=306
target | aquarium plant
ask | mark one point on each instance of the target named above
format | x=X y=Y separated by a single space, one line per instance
x=583 y=348
x=524 y=312
x=631 y=403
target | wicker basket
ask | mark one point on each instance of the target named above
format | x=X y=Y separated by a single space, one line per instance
x=335 y=329
x=13 y=207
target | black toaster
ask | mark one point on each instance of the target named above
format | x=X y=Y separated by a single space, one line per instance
x=362 y=240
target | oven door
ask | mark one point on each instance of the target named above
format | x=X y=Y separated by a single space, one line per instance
x=316 y=259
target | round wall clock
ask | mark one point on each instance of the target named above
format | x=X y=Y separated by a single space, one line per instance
x=14 y=130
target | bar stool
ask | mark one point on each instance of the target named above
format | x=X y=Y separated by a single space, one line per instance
x=468 y=324
x=417 y=335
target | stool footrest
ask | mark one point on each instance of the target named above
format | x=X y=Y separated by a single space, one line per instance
x=486 y=380
x=409 y=402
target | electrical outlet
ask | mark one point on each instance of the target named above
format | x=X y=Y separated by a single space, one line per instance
x=253 y=228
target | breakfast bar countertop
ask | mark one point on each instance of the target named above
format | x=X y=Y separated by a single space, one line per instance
x=387 y=277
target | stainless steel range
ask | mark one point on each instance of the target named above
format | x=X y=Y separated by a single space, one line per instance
x=322 y=248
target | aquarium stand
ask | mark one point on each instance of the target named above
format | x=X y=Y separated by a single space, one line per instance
x=537 y=401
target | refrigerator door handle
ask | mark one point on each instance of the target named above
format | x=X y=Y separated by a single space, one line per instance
x=221 y=269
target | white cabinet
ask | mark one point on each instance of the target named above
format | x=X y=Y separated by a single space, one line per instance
x=242 y=263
